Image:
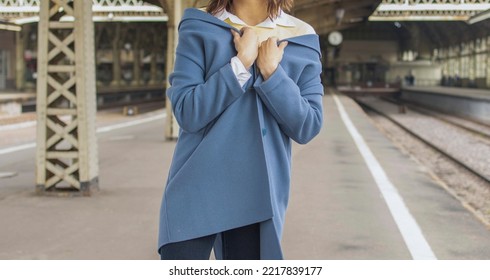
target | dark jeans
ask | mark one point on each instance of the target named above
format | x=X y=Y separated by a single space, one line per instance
x=238 y=244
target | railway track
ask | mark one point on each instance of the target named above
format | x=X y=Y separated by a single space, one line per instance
x=392 y=111
x=478 y=128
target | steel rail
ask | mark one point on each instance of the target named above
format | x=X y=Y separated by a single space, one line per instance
x=428 y=143
x=435 y=114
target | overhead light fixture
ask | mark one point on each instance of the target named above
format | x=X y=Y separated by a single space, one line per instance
x=98 y=8
x=10 y=27
x=339 y=15
x=355 y=20
x=26 y=20
x=418 y=18
x=479 y=17
x=130 y=18
x=66 y=18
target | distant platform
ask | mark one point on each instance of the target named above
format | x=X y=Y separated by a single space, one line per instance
x=13 y=104
x=467 y=93
x=6 y=97
x=355 y=91
x=465 y=102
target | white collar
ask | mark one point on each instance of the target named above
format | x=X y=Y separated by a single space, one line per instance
x=282 y=20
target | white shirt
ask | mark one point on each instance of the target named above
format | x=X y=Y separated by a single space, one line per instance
x=282 y=20
x=241 y=73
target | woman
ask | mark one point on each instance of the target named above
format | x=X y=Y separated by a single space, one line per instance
x=246 y=81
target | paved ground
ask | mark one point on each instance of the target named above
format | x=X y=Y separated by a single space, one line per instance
x=336 y=210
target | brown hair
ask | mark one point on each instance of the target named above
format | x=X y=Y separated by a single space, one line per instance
x=273 y=6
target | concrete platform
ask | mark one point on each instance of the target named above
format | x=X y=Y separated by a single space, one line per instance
x=467 y=93
x=336 y=209
x=11 y=103
x=337 y=212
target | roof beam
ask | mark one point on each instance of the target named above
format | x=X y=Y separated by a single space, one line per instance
x=322 y=15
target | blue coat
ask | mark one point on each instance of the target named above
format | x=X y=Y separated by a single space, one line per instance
x=232 y=161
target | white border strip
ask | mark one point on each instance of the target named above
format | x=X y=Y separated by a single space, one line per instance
x=412 y=234
x=99 y=130
x=132 y=123
x=17 y=125
x=17 y=148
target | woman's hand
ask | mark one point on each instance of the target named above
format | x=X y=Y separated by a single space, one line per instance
x=246 y=45
x=270 y=54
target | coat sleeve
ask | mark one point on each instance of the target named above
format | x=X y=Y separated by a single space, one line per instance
x=195 y=101
x=297 y=107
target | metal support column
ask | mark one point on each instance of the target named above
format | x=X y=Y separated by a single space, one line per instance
x=66 y=159
x=153 y=66
x=137 y=60
x=20 y=64
x=116 y=56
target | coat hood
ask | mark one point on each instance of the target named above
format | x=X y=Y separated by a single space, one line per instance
x=310 y=40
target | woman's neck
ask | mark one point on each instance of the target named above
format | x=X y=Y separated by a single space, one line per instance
x=252 y=12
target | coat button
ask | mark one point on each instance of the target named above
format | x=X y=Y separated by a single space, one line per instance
x=264 y=131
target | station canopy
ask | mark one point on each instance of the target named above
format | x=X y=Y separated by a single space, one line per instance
x=324 y=15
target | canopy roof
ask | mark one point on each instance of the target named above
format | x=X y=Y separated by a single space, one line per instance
x=324 y=15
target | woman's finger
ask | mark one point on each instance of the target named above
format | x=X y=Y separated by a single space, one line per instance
x=283 y=45
x=235 y=34
x=245 y=29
